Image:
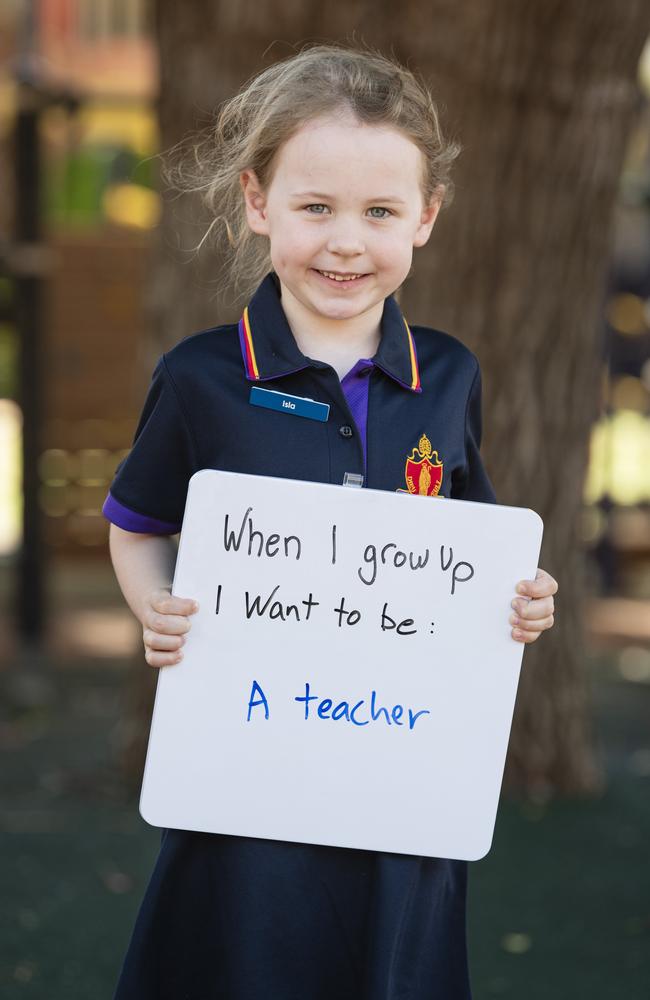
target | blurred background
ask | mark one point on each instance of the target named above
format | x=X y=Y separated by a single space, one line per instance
x=561 y=905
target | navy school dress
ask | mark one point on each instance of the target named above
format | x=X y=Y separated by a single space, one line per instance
x=237 y=918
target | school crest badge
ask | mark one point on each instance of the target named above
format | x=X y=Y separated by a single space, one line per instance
x=423 y=470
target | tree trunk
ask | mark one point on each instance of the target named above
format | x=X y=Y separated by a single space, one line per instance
x=542 y=95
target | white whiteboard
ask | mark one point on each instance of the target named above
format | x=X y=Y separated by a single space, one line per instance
x=366 y=776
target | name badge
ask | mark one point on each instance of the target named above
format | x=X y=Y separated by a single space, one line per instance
x=297 y=406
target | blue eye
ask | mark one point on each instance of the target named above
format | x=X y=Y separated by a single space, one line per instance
x=309 y=207
x=377 y=208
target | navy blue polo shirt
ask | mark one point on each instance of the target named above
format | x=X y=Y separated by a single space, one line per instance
x=236 y=918
x=408 y=419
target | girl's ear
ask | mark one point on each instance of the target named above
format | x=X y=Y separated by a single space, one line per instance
x=427 y=219
x=255 y=201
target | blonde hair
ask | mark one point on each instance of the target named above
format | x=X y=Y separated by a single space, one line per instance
x=250 y=128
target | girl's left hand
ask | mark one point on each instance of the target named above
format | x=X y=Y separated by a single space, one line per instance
x=533 y=609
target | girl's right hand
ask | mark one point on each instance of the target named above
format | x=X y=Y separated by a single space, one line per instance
x=164 y=625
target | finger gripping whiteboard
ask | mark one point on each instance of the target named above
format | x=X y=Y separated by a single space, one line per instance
x=350 y=677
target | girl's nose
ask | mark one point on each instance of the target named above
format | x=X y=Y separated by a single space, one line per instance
x=346 y=241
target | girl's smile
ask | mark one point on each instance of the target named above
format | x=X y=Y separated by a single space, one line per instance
x=344 y=281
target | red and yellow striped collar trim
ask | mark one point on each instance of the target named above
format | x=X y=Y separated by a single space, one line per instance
x=415 y=371
x=246 y=338
x=252 y=369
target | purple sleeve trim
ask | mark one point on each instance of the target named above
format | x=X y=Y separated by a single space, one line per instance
x=129 y=520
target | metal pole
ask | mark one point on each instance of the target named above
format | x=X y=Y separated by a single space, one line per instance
x=29 y=317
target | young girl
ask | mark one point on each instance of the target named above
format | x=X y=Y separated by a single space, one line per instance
x=326 y=171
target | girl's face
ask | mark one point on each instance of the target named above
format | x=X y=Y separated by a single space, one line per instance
x=343 y=212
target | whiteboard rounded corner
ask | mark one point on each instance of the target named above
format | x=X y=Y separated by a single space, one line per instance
x=143 y=809
x=198 y=474
x=536 y=518
x=483 y=849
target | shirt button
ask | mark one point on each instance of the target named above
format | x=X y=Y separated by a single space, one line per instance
x=346 y=431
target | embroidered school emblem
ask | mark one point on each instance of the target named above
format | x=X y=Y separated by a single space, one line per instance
x=423 y=473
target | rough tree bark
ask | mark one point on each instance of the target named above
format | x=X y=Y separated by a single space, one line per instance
x=542 y=95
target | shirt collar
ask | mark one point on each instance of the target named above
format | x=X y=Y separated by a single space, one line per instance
x=269 y=348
